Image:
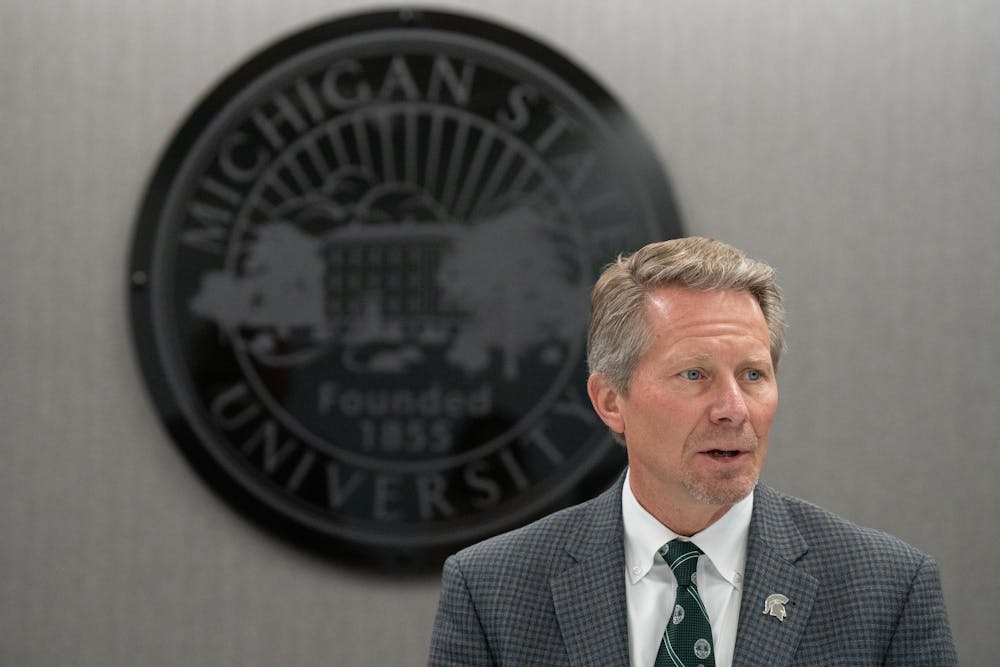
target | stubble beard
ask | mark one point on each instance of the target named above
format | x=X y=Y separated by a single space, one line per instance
x=724 y=487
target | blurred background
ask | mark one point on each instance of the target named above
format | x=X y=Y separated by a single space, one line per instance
x=854 y=145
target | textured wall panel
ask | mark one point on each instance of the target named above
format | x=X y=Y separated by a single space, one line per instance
x=852 y=144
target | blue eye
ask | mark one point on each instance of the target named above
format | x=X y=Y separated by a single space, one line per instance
x=754 y=375
x=692 y=374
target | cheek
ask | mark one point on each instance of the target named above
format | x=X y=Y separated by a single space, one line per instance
x=763 y=414
x=661 y=417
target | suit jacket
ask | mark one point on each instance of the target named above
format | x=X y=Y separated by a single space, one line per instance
x=553 y=593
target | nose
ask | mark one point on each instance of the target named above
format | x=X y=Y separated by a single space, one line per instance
x=728 y=406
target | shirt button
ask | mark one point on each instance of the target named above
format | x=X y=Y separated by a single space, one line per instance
x=636 y=570
x=738 y=578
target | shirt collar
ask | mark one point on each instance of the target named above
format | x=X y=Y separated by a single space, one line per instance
x=724 y=542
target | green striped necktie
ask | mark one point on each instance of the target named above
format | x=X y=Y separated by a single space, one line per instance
x=687 y=641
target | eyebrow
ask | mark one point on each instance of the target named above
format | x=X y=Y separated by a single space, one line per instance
x=695 y=359
x=707 y=359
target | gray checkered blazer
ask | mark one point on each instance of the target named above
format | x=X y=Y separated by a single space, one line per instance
x=553 y=593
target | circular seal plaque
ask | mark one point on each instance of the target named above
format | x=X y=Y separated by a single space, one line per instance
x=360 y=281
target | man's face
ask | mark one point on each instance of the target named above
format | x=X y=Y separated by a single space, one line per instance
x=700 y=404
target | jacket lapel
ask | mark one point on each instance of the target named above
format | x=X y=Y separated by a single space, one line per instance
x=773 y=547
x=589 y=594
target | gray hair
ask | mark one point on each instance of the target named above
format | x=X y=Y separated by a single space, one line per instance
x=618 y=333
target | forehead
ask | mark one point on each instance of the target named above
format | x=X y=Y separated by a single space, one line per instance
x=678 y=314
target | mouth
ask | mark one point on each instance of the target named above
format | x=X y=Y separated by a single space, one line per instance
x=724 y=454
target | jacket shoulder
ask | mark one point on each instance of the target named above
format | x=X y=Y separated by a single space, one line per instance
x=878 y=600
x=840 y=544
x=535 y=548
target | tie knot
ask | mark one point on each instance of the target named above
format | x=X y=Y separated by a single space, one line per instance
x=682 y=557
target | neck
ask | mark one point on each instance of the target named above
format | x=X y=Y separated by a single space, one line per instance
x=689 y=523
x=685 y=519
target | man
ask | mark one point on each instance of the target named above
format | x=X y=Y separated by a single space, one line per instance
x=688 y=560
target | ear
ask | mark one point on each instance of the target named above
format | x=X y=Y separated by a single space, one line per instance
x=607 y=402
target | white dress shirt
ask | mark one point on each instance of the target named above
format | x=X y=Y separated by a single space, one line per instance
x=651 y=588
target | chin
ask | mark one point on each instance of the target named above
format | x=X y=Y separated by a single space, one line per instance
x=720 y=492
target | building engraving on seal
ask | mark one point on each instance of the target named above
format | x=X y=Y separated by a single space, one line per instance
x=365 y=266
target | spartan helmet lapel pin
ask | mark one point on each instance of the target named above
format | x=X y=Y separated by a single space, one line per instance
x=775 y=606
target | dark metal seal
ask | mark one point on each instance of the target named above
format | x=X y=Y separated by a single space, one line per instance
x=360 y=281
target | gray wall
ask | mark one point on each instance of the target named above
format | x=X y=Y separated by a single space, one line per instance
x=854 y=144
